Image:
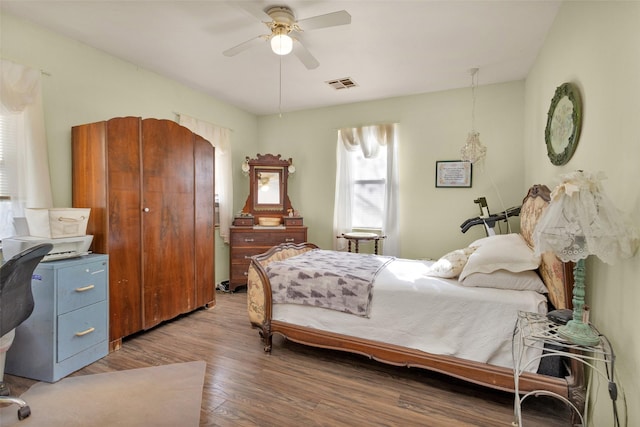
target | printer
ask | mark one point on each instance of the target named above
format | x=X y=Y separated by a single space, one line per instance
x=63 y=247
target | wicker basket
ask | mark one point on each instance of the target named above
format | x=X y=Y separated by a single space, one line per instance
x=54 y=223
x=266 y=221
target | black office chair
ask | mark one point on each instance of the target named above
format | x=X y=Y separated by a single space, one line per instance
x=16 y=305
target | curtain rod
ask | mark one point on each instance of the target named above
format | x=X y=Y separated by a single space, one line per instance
x=206 y=121
x=370 y=124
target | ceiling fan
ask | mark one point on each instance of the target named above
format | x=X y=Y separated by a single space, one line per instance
x=286 y=31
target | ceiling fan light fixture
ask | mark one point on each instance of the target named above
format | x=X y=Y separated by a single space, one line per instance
x=281 y=43
x=284 y=28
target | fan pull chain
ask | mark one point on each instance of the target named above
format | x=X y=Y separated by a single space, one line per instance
x=280 y=91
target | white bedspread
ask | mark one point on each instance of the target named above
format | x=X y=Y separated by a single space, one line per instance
x=438 y=316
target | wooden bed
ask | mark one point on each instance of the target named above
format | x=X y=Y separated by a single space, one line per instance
x=556 y=275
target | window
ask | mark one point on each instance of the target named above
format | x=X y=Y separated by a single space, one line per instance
x=8 y=172
x=367 y=184
x=24 y=163
x=217 y=210
x=369 y=188
x=219 y=138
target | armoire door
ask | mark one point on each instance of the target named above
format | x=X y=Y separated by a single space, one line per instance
x=168 y=193
x=205 y=223
x=124 y=226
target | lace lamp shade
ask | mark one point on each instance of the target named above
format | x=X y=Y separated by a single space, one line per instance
x=473 y=151
x=581 y=221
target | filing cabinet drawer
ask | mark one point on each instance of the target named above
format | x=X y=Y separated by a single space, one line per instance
x=81 y=285
x=81 y=329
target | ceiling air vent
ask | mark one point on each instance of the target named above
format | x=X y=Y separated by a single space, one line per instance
x=345 y=83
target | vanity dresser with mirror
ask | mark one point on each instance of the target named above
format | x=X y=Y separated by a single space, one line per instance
x=267 y=219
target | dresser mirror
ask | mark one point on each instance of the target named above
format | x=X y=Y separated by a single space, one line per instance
x=268 y=194
x=268 y=176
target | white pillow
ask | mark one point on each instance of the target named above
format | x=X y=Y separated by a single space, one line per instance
x=504 y=279
x=450 y=265
x=511 y=238
x=502 y=251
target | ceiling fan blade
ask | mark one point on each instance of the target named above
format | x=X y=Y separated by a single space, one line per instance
x=304 y=55
x=244 y=46
x=332 y=19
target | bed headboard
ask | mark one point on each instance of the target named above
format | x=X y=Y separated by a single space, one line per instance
x=557 y=275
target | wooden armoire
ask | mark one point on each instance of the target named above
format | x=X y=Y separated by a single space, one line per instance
x=150 y=186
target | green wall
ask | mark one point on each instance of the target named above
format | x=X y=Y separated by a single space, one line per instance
x=431 y=127
x=596 y=45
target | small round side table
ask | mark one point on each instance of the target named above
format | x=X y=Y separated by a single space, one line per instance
x=356 y=237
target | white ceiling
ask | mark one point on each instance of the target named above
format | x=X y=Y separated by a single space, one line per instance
x=391 y=48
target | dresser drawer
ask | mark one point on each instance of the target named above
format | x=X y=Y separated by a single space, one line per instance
x=268 y=238
x=293 y=221
x=239 y=273
x=289 y=236
x=243 y=221
x=243 y=255
x=81 y=285
x=250 y=238
x=81 y=329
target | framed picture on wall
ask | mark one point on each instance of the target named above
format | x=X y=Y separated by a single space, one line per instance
x=453 y=174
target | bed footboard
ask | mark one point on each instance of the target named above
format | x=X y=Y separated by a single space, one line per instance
x=259 y=288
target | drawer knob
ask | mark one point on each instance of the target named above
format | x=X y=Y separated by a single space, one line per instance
x=146 y=209
x=85 y=332
x=85 y=288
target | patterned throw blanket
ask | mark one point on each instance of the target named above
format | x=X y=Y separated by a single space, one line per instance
x=341 y=281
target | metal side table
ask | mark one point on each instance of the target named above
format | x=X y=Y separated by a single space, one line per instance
x=536 y=330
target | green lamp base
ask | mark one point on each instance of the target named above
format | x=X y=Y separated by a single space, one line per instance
x=579 y=333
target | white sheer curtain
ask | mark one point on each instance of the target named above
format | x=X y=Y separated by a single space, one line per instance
x=219 y=138
x=369 y=139
x=24 y=161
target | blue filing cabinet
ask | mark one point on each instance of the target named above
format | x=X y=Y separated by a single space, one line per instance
x=69 y=326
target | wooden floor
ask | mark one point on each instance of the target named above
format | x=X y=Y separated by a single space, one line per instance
x=302 y=386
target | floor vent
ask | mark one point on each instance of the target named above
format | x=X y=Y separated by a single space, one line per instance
x=339 y=84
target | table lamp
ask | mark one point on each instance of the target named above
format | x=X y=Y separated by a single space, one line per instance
x=581 y=221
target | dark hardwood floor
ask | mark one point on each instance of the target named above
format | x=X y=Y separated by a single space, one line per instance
x=302 y=386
